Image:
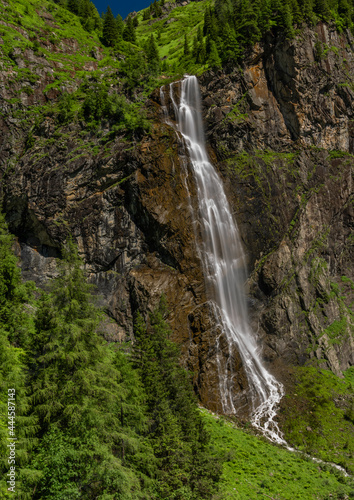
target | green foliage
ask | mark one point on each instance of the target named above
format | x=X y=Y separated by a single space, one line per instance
x=15 y=330
x=317 y=417
x=66 y=108
x=152 y=55
x=233 y=25
x=87 y=13
x=80 y=397
x=129 y=31
x=254 y=468
x=176 y=431
x=99 y=105
x=110 y=33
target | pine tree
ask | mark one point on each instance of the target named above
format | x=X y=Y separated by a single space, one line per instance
x=321 y=8
x=214 y=60
x=74 y=6
x=152 y=54
x=195 y=47
x=129 y=31
x=119 y=25
x=201 y=53
x=207 y=22
x=230 y=47
x=286 y=21
x=110 y=32
x=296 y=13
x=186 y=50
x=82 y=403
x=245 y=21
x=177 y=434
x=200 y=34
x=157 y=9
x=15 y=332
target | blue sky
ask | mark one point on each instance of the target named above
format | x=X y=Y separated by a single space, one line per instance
x=122 y=7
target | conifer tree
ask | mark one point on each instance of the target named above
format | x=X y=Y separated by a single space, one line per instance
x=129 y=31
x=74 y=6
x=296 y=13
x=245 y=21
x=321 y=8
x=110 y=32
x=195 y=47
x=79 y=397
x=152 y=54
x=157 y=9
x=200 y=34
x=186 y=50
x=286 y=21
x=230 y=46
x=177 y=434
x=201 y=57
x=120 y=25
x=214 y=60
x=207 y=22
x=15 y=332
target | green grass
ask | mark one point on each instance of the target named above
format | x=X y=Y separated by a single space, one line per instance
x=317 y=415
x=254 y=468
x=25 y=24
x=185 y=20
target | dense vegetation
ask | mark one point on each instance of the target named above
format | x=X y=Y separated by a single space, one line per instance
x=228 y=28
x=98 y=420
x=94 y=420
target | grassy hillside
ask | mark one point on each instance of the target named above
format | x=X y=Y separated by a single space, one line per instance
x=254 y=468
x=170 y=30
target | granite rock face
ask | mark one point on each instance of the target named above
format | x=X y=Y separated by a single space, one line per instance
x=280 y=132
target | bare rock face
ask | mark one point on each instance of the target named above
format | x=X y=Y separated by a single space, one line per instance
x=281 y=134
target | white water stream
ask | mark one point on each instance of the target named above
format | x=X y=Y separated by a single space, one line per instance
x=225 y=269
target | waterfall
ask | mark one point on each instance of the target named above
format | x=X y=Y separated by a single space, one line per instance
x=225 y=270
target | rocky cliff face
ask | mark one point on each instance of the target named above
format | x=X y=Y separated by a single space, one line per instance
x=280 y=131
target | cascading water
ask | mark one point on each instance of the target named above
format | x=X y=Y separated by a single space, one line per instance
x=225 y=270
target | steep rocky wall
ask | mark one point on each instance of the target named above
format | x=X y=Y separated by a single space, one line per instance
x=277 y=129
x=281 y=130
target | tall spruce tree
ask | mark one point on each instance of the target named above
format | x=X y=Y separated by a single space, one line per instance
x=120 y=25
x=15 y=331
x=177 y=435
x=110 y=32
x=129 y=31
x=152 y=55
x=80 y=398
x=214 y=60
x=186 y=49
